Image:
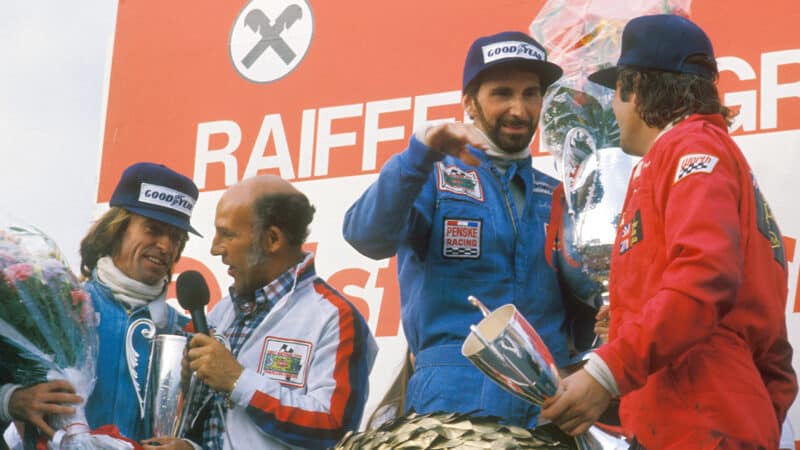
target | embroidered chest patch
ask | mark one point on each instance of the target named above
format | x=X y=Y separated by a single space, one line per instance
x=630 y=233
x=285 y=360
x=461 y=238
x=542 y=188
x=695 y=163
x=459 y=181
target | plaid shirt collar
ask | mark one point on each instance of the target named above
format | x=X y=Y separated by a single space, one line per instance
x=268 y=296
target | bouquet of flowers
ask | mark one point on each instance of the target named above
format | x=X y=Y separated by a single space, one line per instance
x=47 y=326
x=579 y=129
x=583 y=36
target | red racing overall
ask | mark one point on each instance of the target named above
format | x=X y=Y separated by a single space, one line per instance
x=698 y=342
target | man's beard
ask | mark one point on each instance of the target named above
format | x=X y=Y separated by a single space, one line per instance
x=508 y=143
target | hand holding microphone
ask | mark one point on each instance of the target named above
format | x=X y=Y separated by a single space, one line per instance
x=211 y=362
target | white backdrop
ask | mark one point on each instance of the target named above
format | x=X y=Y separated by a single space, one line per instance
x=52 y=105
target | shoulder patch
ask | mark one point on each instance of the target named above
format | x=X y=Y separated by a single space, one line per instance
x=459 y=181
x=767 y=225
x=285 y=360
x=695 y=163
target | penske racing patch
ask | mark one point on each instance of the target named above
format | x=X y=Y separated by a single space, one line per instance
x=459 y=181
x=695 y=163
x=285 y=360
x=462 y=238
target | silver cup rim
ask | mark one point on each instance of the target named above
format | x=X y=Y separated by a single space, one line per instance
x=490 y=327
x=170 y=337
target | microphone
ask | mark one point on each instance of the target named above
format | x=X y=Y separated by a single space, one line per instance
x=192 y=292
x=193 y=295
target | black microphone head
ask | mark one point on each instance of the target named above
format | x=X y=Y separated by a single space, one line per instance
x=192 y=290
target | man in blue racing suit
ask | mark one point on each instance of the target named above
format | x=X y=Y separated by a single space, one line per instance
x=466 y=214
x=128 y=256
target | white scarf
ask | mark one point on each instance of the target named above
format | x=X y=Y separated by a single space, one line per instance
x=127 y=290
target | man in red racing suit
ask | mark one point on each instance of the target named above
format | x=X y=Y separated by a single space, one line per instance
x=697 y=350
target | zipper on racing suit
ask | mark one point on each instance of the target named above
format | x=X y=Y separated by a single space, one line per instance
x=506 y=195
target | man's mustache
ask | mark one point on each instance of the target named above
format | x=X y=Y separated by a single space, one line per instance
x=517 y=122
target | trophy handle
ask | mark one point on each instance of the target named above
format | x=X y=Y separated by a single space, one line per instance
x=132 y=356
x=577 y=140
x=478 y=304
x=568 y=173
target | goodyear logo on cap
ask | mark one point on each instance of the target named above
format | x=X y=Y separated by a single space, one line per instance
x=166 y=197
x=511 y=49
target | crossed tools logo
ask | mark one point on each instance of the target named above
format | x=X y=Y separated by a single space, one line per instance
x=270 y=37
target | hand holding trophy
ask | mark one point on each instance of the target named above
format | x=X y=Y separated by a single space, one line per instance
x=506 y=348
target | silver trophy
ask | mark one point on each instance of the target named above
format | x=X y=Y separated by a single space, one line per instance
x=595 y=183
x=161 y=402
x=579 y=129
x=165 y=392
x=506 y=348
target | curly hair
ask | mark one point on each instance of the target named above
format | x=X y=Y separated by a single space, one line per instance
x=291 y=213
x=105 y=236
x=663 y=97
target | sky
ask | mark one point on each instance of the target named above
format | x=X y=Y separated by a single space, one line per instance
x=54 y=58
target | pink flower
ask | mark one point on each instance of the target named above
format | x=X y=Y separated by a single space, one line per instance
x=18 y=272
x=79 y=296
x=80 y=300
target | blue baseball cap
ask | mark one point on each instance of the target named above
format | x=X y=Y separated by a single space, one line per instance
x=509 y=47
x=660 y=42
x=157 y=192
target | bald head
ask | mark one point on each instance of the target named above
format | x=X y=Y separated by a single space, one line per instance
x=271 y=201
x=261 y=225
x=247 y=191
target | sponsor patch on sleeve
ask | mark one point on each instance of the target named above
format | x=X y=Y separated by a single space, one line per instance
x=461 y=238
x=768 y=226
x=285 y=360
x=459 y=181
x=695 y=163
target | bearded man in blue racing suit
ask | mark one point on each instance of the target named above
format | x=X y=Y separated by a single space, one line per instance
x=465 y=213
x=128 y=256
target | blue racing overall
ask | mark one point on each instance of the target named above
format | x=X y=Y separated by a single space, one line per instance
x=457 y=231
